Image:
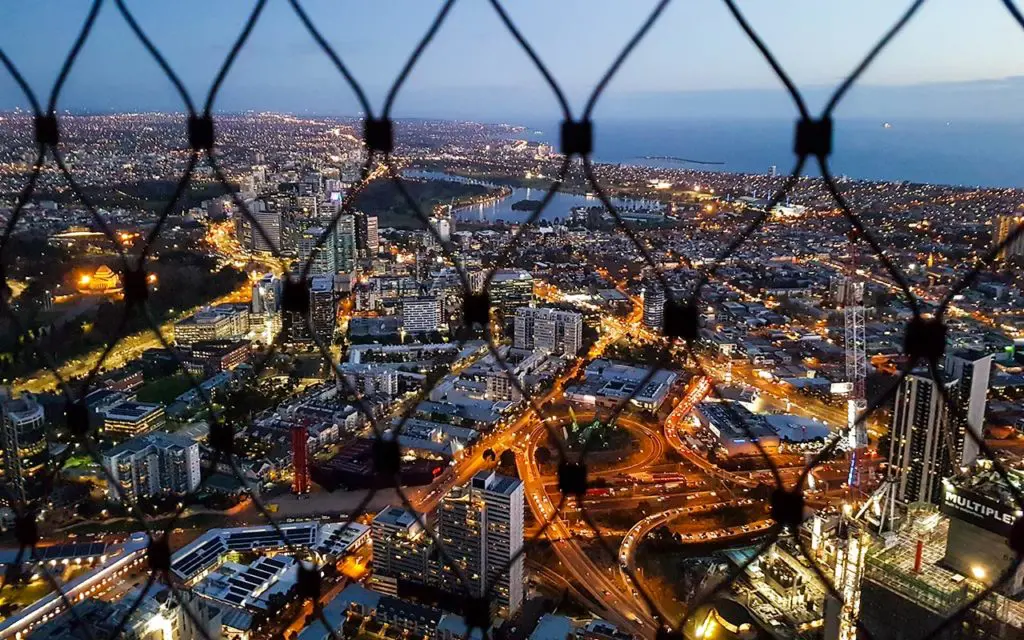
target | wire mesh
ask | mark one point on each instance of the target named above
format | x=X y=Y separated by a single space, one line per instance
x=626 y=598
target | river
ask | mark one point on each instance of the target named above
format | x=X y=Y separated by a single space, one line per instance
x=501 y=209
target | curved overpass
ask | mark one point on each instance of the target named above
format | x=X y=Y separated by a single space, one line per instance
x=624 y=611
x=630 y=542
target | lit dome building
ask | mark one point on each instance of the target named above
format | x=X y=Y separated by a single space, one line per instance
x=101 y=281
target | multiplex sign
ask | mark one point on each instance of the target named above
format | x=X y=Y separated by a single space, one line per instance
x=978 y=509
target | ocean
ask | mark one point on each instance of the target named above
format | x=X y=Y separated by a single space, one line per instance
x=970 y=153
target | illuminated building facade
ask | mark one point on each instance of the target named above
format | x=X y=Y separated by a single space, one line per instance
x=23 y=438
x=480 y=526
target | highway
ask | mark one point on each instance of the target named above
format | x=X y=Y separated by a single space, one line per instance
x=628 y=614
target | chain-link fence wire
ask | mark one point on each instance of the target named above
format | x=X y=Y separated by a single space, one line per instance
x=925 y=339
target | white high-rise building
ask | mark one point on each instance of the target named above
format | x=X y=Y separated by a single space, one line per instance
x=480 y=525
x=654 y=307
x=548 y=330
x=421 y=314
x=971 y=371
x=152 y=464
x=922 y=447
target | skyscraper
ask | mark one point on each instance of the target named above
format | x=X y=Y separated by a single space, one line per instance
x=401 y=548
x=511 y=289
x=322 y=258
x=970 y=370
x=922 y=447
x=548 y=330
x=367 y=236
x=1003 y=226
x=265 y=216
x=654 y=306
x=322 y=310
x=23 y=438
x=344 y=243
x=480 y=525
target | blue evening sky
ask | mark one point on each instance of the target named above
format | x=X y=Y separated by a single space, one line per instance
x=957 y=58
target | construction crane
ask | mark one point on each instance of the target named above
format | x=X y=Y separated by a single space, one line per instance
x=852 y=299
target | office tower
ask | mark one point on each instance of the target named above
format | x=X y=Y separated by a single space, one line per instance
x=270 y=221
x=23 y=438
x=654 y=306
x=265 y=315
x=511 y=289
x=444 y=227
x=344 y=243
x=153 y=464
x=268 y=218
x=1003 y=226
x=481 y=527
x=401 y=548
x=421 y=314
x=970 y=371
x=311 y=184
x=367 y=236
x=548 y=330
x=922 y=445
x=322 y=310
x=322 y=259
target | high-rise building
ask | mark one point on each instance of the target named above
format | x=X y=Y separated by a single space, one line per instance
x=1003 y=226
x=153 y=464
x=265 y=314
x=548 y=330
x=970 y=370
x=367 y=235
x=480 y=525
x=654 y=306
x=345 y=243
x=322 y=309
x=511 y=289
x=922 y=449
x=265 y=216
x=401 y=548
x=421 y=314
x=322 y=258
x=23 y=438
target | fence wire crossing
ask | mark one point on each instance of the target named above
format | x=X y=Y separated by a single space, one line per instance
x=924 y=341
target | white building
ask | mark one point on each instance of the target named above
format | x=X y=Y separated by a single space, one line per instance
x=480 y=525
x=972 y=371
x=222 y=322
x=548 y=330
x=153 y=464
x=421 y=314
x=654 y=307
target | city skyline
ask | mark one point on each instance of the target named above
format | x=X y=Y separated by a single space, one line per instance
x=500 y=382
